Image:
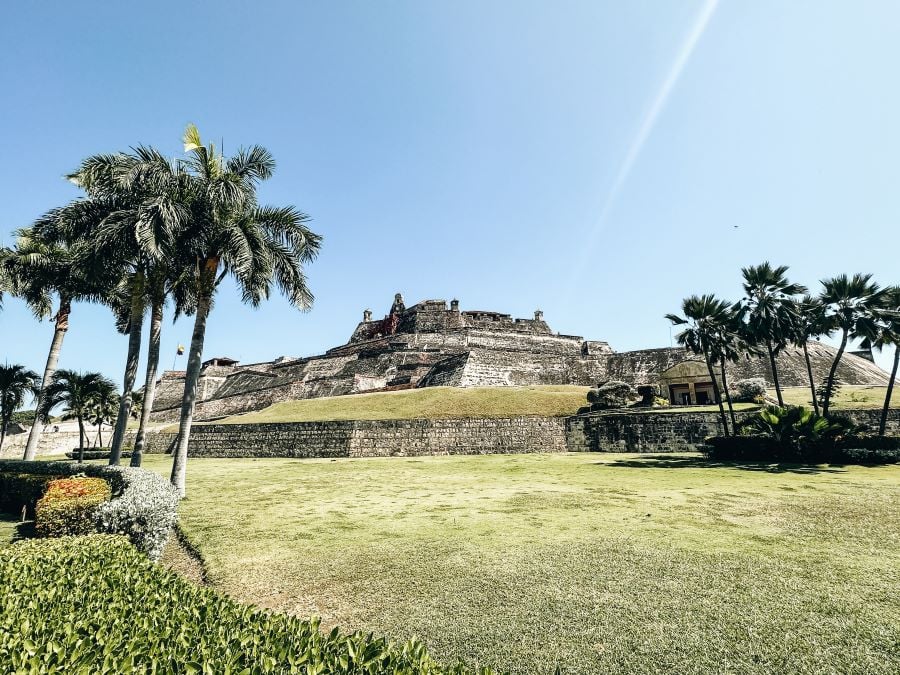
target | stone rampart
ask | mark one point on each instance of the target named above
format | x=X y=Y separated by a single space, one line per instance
x=374 y=438
x=670 y=431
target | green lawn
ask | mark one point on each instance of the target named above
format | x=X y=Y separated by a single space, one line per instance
x=455 y=402
x=848 y=396
x=428 y=402
x=598 y=563
x=9 y=529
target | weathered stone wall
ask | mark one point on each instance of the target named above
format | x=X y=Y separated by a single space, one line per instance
x=50 y=443
x=620 y=431
x=374 y=438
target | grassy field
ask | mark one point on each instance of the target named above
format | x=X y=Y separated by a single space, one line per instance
x=848 y=396
x=450 y=402
x=595 y=563
x=429 y=402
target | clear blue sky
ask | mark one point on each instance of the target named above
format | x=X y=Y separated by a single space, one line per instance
x=588 y=158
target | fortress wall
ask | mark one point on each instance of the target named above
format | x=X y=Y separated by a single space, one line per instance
x=485 y=368
x=406 y=438
x=616 y=431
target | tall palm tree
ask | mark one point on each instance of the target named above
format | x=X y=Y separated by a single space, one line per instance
x=704 y=317
x=16 y=384
x=810 y=323
x=728 y=343
x=139 y=204
x=888 y=336
x=851 y=305
x=769 y=311
x=38 y=270
x=230 y=234
x=78 y=393
x=103 y=408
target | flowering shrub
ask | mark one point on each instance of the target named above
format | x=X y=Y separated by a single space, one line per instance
x=95 y=605
x=68 y=506
x=143 y=505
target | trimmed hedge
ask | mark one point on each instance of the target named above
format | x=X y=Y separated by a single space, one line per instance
x=69 y=506
x=98 y=453
x=843 y=450
x=95 y=605
x=18 y=490
x=143 y=505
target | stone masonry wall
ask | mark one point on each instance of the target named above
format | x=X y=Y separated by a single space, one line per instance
x=374 y=438
x=670 y=431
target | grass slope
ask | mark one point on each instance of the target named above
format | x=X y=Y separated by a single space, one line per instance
x=848 y=396
x=598 y=563
x=455 y=402
x=429 y=402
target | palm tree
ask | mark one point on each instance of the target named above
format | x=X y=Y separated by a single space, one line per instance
x=727 y=344
x=139 y=205
x=38 y=269
x=851 y=305
x=769 y=311
x=810 y=323
x=888 y=336
x=705 y=316
x=78 y=393
x=16 y=383
x=230 y=234
x=103 y=407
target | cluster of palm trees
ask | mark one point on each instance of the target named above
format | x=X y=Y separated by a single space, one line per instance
x=150 y=232
x=776 y=313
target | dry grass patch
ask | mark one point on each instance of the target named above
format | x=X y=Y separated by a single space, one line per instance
x=596 y=563
x=428 y=402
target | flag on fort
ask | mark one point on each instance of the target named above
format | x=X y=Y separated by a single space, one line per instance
x=180 y=350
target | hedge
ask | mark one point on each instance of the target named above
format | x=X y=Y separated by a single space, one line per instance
x=69 y=506
x=95 y=605
x=843 y=450
x=143 y=505
x=98 y=453
x=20 y=491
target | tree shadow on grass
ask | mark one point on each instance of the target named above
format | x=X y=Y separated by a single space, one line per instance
x=699 y=462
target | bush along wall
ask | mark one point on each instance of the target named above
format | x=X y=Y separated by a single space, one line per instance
x=69 y=506
x=143 y=506
x=94 y=605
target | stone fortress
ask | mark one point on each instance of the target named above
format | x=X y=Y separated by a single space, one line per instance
x=432 y=344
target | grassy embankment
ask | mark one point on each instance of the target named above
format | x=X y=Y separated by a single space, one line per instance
x=453 y=402
x=598 y=563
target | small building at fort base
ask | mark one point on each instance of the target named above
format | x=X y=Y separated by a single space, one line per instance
x=433 y=343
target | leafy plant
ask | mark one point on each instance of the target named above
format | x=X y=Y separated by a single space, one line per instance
x=143 y=505
x=94 y=604
x=751 y=390
x=793 y=427
x=69 y=505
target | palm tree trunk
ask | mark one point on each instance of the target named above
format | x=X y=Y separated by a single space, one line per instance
x=882 y=425
x=156 y=317
x=80 y=440
x=812 y=382
x=59 y=332
x=829 y=384
x=179 y=461
x=775 y=374
x=100 y=434
x=716 y=393
x=2 y=434
x=131 y=366
x=728 y=398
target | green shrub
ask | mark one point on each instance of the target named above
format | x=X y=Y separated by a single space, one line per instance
x=143 y=505
x=95 y=605
x=837 y=450
x=69 y=506
x=98 y=453
x=750 y=390
x=19 y=490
